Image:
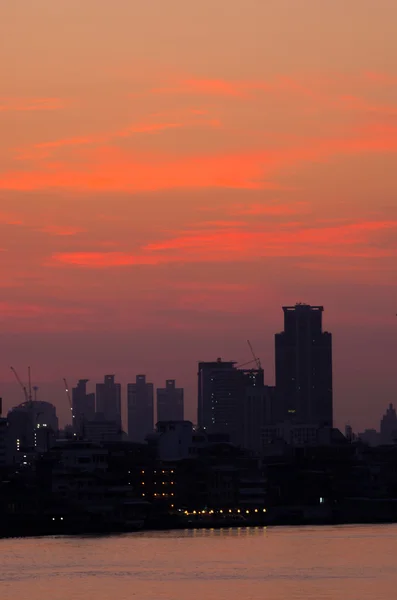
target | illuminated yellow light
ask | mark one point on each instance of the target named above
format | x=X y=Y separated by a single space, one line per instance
x=264 y=510
x=238 y=510
x=194 y=512
x=247 y=511
x=256 y=510
x=221 y=511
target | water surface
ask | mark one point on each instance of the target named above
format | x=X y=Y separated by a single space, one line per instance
x=305 y=563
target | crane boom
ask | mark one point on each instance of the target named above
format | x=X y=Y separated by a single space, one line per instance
x=25 y=391
x=256 y=359
x=30 y=385
x=67 y=392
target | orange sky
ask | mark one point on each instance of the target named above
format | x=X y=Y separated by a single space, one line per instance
x=170 y=175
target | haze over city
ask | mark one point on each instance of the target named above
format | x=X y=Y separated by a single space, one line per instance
x=170 y=178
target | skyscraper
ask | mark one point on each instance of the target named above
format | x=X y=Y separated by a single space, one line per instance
x=304 y=367
x=229 y=399
x=170 y=402
x=388 y=426
x=108 y=400
x=216 y=392
x=140 y=409
x=83 y=405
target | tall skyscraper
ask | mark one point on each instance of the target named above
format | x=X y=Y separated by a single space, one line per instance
x=304 y=367
x=140 y=409
x=83 y=405
x=216 y=392
x=108 y=400
x=170 y=402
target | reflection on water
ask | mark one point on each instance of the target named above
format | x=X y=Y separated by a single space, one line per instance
x=305 y=563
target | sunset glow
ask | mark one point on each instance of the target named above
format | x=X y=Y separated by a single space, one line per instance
x=171 y=174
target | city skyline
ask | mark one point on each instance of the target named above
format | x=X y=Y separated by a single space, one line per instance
x=295 y=317
x=172 y=177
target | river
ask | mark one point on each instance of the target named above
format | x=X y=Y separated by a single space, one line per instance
x=305 y=563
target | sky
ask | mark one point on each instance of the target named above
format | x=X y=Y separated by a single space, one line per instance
x=172 y=173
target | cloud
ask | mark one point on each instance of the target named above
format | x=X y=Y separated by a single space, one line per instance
x=234 y=88
x=31 y=310
x=61 y=230
x=102 y=259
x=10 y=219
x=31 y=104
x=109 y=168
x=274 y=209
x=356 y=239
x=113 y=169
x=42 y=150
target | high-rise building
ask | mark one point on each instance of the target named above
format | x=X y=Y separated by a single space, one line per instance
x=388 y=426
x=32 y=425
x=219 y=394
x=140 y=409
x=108 y=400
x=233 y=401
x=304 y=367
x=83 y=405
x=170 y=402
x=258 y=408
x=5 y=454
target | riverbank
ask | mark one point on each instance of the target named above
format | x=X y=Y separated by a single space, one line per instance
x=360 y=512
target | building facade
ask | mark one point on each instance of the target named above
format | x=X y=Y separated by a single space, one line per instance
x=140 y=409
x=83 y=405
x=170 y=402
x=108 y=400
x=234 y=401
x=304 y=367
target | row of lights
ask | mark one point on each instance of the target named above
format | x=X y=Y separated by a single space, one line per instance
x=155 y=472
x=211 y=512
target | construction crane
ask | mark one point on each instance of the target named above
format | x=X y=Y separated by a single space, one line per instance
x=255 y=359
x=25 y=391
x=30 y=385
x=67 y=392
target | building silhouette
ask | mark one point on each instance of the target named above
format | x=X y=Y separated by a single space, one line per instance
x=32 y=425
x=170 y=402
x=388 y=426
x=219 y=394
x=83 y=405
x=304 y=367
x=108 y=400
x=234 y=401
x=140 y=409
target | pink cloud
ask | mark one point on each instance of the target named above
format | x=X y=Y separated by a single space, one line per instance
x=103 y=259
x=61 y=230
x=31 y=104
